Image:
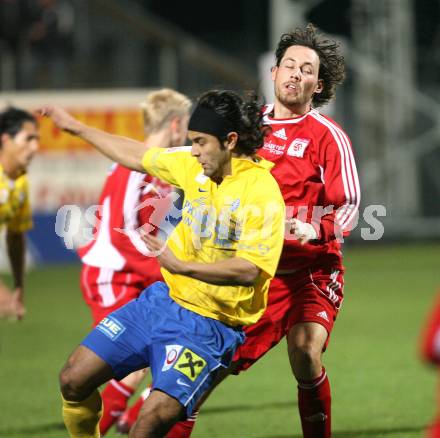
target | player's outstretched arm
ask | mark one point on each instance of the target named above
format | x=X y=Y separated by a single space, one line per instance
x=123 y=150
x=235 y=271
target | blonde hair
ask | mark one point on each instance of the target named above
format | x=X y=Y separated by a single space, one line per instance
x=161 y=106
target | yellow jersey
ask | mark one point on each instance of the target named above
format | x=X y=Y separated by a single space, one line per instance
x=241 y=217
x=15 y=210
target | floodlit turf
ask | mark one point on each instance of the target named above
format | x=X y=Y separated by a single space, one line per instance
x=379 y=387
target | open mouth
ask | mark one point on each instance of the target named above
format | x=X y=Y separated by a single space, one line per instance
x=292 y=88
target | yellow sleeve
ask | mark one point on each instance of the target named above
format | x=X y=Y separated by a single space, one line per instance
x=169 y=165
x=22 y=220
x=262 y=236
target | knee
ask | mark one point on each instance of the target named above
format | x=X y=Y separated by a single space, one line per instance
x=305 y=361
x=70 y=385
x=305 y=354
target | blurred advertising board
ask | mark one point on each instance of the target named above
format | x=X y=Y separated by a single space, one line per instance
x=67 y=170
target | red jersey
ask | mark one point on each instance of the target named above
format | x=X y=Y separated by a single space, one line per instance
x=316 y=171
x=129 y=200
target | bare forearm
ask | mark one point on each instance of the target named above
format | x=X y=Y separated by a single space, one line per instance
x=233 y=272
x=123 y=150
x=16 y=252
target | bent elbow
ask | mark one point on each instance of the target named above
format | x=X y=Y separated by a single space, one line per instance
x=249 y=277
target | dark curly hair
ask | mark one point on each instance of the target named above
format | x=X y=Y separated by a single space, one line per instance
x=12 y=119
x=244 y=114
x=331 y=62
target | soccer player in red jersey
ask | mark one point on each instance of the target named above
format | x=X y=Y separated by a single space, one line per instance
x=430 y=353
x=116 y=267
x=316 y=171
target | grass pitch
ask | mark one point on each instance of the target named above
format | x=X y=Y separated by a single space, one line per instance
x=379 y=387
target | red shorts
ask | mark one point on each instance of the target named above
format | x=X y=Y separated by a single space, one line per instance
x=430 y=339
x=105 y=290
x=307 y=295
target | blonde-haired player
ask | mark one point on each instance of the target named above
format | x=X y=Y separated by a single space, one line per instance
x=115 y=267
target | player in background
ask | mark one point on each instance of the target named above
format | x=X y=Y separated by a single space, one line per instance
x=217 y=265
x=430 y=353
x=117 y=266
x=19 y=141
x=316 y=171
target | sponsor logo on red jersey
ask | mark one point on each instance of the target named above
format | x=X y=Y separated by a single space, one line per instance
x=273 y=148
x=298 y=147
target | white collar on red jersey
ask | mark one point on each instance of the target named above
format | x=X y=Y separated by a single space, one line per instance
x=267 y=119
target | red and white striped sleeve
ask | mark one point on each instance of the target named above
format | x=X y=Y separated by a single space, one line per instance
x=341 y=182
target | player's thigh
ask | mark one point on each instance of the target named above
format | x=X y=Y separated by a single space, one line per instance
x=159 y=404
x=267 y=332
x=83 y=371
x=315 y=300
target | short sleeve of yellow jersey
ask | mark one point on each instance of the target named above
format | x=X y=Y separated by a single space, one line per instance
x=22 y=220
x=262 y=234
x=169 y=165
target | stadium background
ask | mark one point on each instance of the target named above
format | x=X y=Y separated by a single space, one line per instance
x=99 y=58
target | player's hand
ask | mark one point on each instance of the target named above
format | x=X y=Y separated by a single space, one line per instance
x=302 y=231
x=163 y=254
x=61 y=118
x=11 y=303
x=18 y=302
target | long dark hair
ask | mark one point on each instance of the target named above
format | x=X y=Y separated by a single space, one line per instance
x=244 y=115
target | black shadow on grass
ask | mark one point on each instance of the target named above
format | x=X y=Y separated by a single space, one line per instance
x=249 y=407
x=31 y=430
x=360 y=433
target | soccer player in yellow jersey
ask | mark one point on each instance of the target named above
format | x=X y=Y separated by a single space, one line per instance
x=217 y=266
x=18 y=144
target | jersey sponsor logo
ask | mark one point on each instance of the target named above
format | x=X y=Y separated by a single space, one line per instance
x=323 y=315
x=281 y=133
x=298 y=147
x=171 y=354
x=190 y=364
x=274 y=148
x=111 y=327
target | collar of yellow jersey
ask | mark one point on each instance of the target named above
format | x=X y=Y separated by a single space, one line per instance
x=240 y=164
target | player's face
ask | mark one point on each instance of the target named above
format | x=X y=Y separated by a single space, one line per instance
x=296 y=78
x=214 y=158
x=21 y=148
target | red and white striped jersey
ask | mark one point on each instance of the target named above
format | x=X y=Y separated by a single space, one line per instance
x=316 y=171
x=128 y=201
